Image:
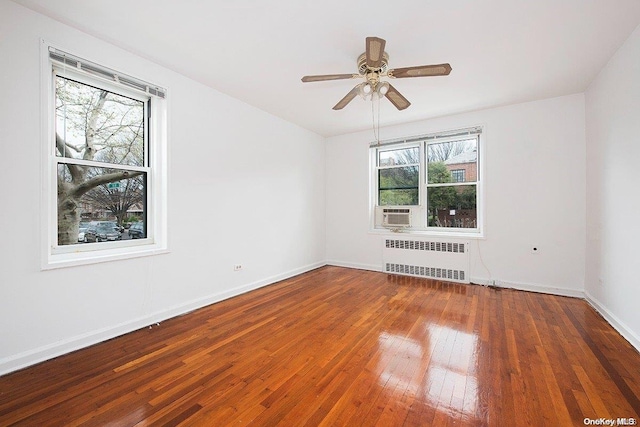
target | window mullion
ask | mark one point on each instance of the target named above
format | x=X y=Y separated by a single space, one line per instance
x=398 y=166
x=450 y=184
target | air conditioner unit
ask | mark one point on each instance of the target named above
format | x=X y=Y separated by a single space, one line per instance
x=393 y=217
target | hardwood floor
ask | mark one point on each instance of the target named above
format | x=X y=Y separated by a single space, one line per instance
x=336 y=347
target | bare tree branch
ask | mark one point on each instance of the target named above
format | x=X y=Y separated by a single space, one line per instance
x=103 y=179
x=76 y=171
x=61 y=145
x=93 y=120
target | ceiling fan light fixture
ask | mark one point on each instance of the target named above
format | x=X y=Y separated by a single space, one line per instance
x=365 y=90
x=383 y=88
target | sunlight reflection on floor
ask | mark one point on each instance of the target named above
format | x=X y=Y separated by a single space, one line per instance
x=440 y=369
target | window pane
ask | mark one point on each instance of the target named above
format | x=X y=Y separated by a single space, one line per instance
x=95 y=124
x=398 y=197
x=89 y=197
x=404 y=156
x=398 y=186
x=452 y=206
x=455 y=161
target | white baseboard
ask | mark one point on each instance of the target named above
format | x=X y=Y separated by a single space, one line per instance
x=565 y=292
x=368 y=267
x=50 y=351
x=614 y=321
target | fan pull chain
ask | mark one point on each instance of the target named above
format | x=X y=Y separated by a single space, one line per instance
x=376 y=126
x=378 y=120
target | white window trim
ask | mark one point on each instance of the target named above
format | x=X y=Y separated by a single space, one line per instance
x=476 y=233
x=156 y=243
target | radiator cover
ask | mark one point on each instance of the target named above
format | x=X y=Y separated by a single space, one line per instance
x=432 y=258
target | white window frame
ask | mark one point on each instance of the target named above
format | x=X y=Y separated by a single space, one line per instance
x=419 y=213
x=55 y=256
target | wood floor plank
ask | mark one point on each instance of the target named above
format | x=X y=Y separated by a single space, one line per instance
x=343 y=347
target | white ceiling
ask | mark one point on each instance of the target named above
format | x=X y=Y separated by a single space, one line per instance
x=501 y=51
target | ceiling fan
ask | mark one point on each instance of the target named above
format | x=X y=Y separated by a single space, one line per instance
x=372 y=65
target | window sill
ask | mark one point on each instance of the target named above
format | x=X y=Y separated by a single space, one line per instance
x=72 y=259
x=428 y=233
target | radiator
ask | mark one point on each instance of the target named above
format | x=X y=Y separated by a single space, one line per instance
x=436 y=259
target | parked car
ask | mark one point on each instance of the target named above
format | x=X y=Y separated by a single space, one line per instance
x=136 y=230
x=114 y=225
x=82 y=228
x=102 y=232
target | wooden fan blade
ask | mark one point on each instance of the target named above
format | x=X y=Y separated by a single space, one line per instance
x=347 y=99
x=420 y=71
x=374 y=52
x=324 y=77
x=396 y=98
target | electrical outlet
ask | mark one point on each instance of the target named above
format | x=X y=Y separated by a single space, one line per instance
x=237 y=267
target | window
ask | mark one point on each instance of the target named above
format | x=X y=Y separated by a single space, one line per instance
x=101 y=148
x=105 y=147
x=458 y=175
x=398 y=177
x=435 y=175
x=452 y=198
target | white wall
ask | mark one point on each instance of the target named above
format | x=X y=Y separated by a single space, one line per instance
x=534 y=187
x=244 y=188
x=613 y=197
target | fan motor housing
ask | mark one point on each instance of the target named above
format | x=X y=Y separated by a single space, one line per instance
x=364 y=70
